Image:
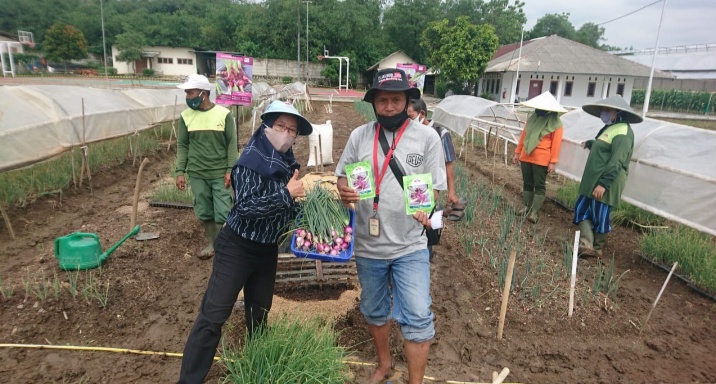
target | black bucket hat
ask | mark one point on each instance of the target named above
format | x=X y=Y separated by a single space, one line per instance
x=615 y=102
x=392 y=80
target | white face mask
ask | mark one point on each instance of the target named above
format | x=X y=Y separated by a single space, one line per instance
x=281 y=141
x=418 y=119
x=606 y=117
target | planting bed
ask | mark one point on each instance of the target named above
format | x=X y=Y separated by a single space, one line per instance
x=153 y=289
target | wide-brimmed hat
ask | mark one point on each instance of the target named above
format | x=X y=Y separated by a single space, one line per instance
x=392 y=80
x=545 y=102
x=195 y=81
x=279 y=107
x=615 y=102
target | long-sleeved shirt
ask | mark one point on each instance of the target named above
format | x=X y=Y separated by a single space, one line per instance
x=608 y=163
x=262 y=207
x=206 y=143
x=547 y=150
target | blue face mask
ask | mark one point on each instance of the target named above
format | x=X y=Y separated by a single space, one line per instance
x=195 y=102
x=541 y=112
x=606 y=117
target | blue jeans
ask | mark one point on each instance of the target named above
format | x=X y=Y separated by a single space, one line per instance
x=407 y=278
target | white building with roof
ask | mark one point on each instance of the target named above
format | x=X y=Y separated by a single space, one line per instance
x=574 y=73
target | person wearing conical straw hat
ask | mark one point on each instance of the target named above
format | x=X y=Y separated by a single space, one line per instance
x=605 y=173
x=538 y=151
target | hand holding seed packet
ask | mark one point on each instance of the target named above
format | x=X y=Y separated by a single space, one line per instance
x=360 y=178
x=418 y=193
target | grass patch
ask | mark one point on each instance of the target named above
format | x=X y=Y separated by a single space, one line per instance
x=567 y=194
x=695 y=252
x=705 y=124
x=167 y=191
x=365 y=109
x=288 y=351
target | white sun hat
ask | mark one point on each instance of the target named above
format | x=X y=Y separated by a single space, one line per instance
x=545 y=102
x=195 y=81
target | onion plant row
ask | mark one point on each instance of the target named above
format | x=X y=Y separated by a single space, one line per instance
x=538 y=277
x=52 y=177
x=289 y=350
x=695 y=252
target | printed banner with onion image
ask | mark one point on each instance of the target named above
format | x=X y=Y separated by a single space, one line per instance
x=233 y=79
x=416 y=74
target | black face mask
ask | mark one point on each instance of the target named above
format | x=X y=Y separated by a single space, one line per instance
x=391 y=123
x=541 y=112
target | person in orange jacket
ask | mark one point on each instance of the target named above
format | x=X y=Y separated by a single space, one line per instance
x=538 y=151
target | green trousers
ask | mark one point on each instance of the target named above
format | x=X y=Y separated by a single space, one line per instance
x=212 y=201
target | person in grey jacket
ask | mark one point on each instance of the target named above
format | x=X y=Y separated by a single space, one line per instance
x=390 y=249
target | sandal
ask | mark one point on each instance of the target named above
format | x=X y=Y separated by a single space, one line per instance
x=460 y=205
x=456 y=215
x=446 y=210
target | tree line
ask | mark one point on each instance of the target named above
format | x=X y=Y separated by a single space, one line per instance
x=433 y=32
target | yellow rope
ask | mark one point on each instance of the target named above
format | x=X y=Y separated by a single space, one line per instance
x=102 y=349
x=174 y=354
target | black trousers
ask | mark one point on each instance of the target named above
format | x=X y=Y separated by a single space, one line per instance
x=238 y=263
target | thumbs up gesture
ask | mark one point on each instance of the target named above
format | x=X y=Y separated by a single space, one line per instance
x=295 y=186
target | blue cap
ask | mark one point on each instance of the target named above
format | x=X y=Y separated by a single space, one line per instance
x=279 y=107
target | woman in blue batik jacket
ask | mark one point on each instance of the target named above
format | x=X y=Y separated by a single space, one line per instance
x=265 y=182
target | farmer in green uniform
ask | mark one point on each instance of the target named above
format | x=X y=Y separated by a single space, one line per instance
x=605 y=173
x=206 y=151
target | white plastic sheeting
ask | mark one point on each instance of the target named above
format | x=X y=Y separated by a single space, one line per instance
x=263 y=94
x=468 y=115
x=38 y=122
x=672 y=171
x=458 y=111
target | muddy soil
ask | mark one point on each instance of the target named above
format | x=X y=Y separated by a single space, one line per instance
x=154 y=288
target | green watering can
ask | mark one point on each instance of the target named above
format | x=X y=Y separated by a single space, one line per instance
x=83 y=251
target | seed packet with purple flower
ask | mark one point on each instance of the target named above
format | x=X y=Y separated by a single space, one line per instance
x=418 y=193
x=360 y=178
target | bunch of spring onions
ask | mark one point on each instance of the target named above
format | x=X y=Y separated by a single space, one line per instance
x=323 y=223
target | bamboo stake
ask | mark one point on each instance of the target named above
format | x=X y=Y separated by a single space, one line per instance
x=133 y=220
x=320 y=151
x=85 y=160
x=7 y=222
x=173 y=133
x=315 y=156
x=572 y=283
x=506 y=293
x=676 y=263
x=72 y=164
x=501 y=377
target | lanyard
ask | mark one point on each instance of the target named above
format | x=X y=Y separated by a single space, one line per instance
x=388 y=157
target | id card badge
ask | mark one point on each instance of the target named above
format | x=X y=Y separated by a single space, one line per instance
x=374 y=226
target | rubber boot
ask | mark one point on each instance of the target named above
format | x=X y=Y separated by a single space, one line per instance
x=586 y=238
x=600 y=240
x=211 y=230
x=526 y=202
x=534 y=209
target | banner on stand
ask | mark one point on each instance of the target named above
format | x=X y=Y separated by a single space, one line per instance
x=416 y=74
x=233 y=79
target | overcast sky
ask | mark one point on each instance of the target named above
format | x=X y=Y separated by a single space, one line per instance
x=686 y=22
